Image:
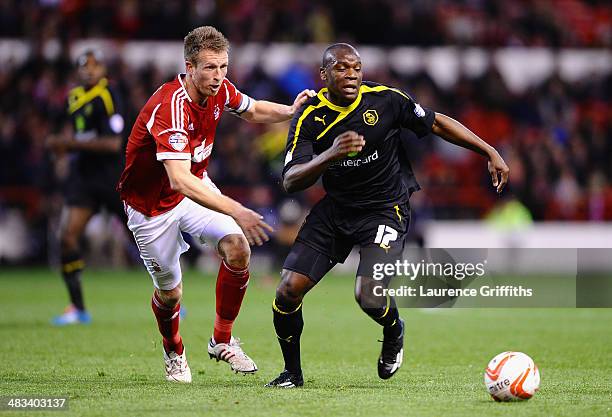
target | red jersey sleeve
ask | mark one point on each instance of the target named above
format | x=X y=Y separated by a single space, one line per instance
x=167 y=125
x=235 y=101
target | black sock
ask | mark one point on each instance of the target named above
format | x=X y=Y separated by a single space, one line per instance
x=393 y=329
x=386 y=315
x=288 y=323
x=72 y=265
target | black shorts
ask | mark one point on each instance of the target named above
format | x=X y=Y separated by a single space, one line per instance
x=93 y=193
x=330 y=231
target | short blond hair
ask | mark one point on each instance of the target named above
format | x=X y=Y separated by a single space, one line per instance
x=202 y=38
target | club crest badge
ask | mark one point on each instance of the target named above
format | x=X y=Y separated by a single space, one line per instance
x=370 y=117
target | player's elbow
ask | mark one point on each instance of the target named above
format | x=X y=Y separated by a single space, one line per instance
x=177 y=183
x=292 y=180
x=289 y=185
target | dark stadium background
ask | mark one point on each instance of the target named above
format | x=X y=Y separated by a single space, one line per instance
x=555 y=135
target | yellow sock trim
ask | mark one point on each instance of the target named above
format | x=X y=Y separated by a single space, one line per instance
x=386 y=309
x=73 y=266
x=278 y=310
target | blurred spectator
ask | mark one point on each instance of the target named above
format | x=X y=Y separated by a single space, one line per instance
x=557 y=137
x=561 y=23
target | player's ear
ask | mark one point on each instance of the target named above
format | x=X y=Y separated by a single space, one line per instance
x=323 y=74
x=189 y=67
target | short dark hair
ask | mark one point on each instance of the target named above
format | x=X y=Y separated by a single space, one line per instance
x=329 y=55
x=204 y=37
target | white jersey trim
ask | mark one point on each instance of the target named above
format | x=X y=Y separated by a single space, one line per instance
x=245 y=104
x=161 y=156
x=152 y=118
x=177 y=107
x=180 y=78
x=173 y=130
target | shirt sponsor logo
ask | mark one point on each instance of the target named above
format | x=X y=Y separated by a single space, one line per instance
x=418 y=110
x=178 y=141
x=370 y=117
x=201 y=153
x=356 y=162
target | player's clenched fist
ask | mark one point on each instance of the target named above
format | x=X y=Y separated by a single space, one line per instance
x=252 y=225
x=347 y=144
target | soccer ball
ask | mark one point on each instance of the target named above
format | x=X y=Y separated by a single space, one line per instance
x=512 y=376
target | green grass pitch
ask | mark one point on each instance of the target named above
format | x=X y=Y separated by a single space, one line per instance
x=114 y=366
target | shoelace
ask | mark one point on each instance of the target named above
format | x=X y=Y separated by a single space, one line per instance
x=177 y=362
x=236 y=349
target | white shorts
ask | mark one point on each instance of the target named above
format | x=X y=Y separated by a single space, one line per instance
x=160 y=241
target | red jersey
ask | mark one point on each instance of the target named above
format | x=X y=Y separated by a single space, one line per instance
x=172 y=126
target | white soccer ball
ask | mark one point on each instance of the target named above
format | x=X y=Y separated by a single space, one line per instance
x=512 y=376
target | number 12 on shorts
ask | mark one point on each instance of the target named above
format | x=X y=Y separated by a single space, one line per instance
x=385 y=235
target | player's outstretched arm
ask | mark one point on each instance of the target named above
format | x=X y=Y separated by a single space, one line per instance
x=184 y=182
x=302 y=176
x=263 y=111
x=454 y=132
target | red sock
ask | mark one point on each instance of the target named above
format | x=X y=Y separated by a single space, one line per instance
x=168 y=323
x=231 y=286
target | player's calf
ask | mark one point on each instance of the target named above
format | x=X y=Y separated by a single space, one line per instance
x=288 y=324
x=232 y=282
x=383 y=311
x=166 y=308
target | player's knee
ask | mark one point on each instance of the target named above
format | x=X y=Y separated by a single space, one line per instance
x=365 y=292
x=171 y=297
x=288 y=293
x=69 y=242
x=235 y=251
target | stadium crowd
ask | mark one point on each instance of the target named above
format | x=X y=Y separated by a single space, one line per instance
x=556 y=138
x=556 y=23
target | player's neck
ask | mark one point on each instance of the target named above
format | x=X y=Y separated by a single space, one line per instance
x=337 y=100
x=193 y=92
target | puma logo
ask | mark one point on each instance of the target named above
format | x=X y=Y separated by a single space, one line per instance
x=397 y=211
x=320 y=119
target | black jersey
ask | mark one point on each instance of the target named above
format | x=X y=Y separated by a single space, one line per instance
x=94 y=113
x=374 y=178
